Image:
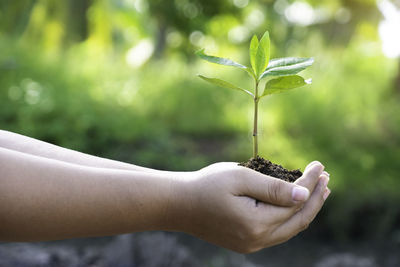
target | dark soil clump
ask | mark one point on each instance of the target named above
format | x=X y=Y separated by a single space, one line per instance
x=267 y=167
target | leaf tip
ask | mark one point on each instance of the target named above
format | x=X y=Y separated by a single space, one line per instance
x=199 y=52
x=265 y=35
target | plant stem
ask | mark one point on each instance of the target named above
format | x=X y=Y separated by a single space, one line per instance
x=255 y=126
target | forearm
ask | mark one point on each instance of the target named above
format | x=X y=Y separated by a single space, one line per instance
x=35 y=147
x=45 y=199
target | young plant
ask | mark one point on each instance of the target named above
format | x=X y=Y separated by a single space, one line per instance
x=262 y=67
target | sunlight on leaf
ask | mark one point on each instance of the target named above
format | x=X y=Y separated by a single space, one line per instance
x=283 y=84
x=263 y=54
x=219 y=60
x=286 y=66
x=224 y=84
x=253 y=51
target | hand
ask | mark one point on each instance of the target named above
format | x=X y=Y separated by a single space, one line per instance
x=245 y=211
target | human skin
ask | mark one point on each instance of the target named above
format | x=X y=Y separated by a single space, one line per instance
x=48 y=193
x=36 y=147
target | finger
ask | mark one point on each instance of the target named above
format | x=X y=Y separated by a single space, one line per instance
x=311 y=164
x=304 y=217
x=282 y=214
x=327 y=193
x=276 y=215
x=309 y=179
x=272 y=190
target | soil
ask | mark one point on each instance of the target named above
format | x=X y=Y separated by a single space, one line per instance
x=267 y=167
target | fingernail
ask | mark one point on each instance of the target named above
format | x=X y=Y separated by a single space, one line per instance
x=323 y=181
x=326 y=176
x=326 y=194
x=312 y=164
x=326 y=173
x=300 y=193
x=317 y=162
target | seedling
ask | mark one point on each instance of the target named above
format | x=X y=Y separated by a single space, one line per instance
x=285 y=69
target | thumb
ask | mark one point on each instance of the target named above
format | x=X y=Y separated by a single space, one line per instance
x=271 y=190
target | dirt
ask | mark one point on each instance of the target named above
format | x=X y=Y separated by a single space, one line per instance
x=267 y=167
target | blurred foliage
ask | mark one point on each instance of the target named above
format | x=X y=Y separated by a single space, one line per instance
x=118 y=79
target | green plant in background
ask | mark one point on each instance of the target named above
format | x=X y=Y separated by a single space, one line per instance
x=262 y=67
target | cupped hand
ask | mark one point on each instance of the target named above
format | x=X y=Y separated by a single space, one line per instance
x=245 y=211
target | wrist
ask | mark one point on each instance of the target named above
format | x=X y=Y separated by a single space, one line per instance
x=179 y=206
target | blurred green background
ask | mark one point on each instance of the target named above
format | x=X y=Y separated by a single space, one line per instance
x=118 y=79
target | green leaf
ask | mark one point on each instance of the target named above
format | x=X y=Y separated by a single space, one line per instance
x=282 y=84
x=225 y=84
x=250 y=71
x=286 y=66
x=224 y=61
x=219 y=60
x=286 y=61
x=253 y=51
x=263 y=54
